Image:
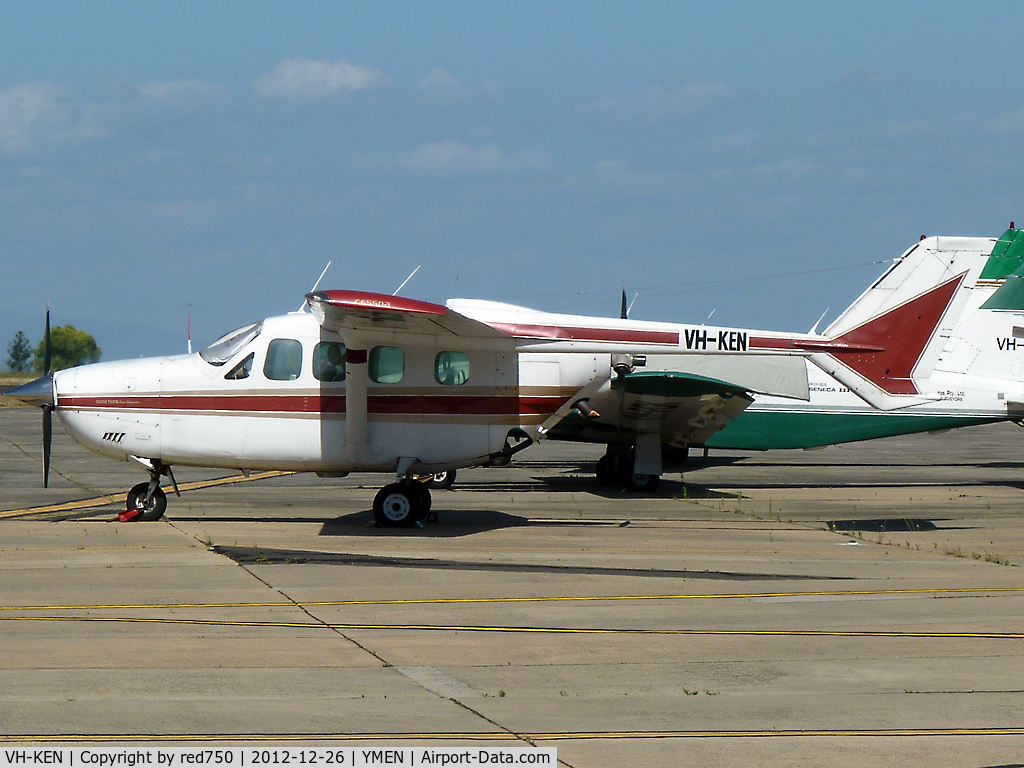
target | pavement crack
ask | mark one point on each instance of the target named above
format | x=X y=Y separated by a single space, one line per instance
x=387 y=664
x=317 y=619
x=297 y=604
x=384 y=662
x=53 y=470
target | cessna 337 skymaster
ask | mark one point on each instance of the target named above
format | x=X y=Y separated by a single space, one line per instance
x=371 y=382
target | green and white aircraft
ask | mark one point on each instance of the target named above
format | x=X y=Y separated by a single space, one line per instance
x=936 y=342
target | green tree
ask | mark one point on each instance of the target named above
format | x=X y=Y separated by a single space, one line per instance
x=68 y=347
x=19 y=352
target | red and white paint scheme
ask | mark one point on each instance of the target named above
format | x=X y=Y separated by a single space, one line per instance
x=371 y=382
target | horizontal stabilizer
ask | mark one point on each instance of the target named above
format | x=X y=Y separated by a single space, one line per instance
x=867 y=390
x=777 y=375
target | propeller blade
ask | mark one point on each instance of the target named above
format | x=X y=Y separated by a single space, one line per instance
x=47 y=440
x=624 y=312
x=46 y=344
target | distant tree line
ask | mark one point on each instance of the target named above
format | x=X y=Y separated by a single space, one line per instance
x=68 y=347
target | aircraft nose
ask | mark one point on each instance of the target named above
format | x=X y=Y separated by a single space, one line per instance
x=37 y=393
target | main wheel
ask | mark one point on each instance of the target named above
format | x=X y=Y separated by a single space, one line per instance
x=147 y=512
x=423 y=491
x=397 y=506
x=644 y=483
x=442 y=479
x=606 y=470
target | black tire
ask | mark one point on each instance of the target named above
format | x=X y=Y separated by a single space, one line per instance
x=606 y=471
x=443 y=480
x=670 y=455
x=397 y=506
x=156 y=507
x=423 y=489
x=643 y=483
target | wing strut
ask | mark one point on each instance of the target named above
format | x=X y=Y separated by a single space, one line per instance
x=355 y=395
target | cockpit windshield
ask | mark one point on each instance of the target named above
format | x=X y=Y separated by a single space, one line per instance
x=224 y=348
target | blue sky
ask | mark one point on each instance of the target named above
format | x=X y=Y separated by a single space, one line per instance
x=157 y=159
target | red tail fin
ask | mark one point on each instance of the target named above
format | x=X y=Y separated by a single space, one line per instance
x=900 y=335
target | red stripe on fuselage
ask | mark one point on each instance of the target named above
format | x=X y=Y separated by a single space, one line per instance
x=437 y=405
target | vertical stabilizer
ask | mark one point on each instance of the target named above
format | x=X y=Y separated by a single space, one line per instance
x=886 y=344
x=986 y=348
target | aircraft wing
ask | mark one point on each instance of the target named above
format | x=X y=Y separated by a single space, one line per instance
x=341 y=311
x=682 y=408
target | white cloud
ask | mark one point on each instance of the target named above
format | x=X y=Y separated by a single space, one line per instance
x=659 y=104
x=181 y=90
x=455 y=158
x=1010 y=122
x=438 y=88
x=619 y=176
x=300 y=78
x=738 y=141
x=863 y=77
x=791 y=166
x=38 y=113
x=29 y=109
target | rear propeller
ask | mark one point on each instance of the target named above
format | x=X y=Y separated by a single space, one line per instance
x=623 y=364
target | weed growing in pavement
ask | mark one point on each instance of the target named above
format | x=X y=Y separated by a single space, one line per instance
x=992 y=557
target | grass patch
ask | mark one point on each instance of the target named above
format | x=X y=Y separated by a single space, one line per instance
x=9 y=381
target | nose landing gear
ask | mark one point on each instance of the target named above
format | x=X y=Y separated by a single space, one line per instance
x=148 y=504
x=148 y=500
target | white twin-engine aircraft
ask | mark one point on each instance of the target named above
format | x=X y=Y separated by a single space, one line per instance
x=371 y=382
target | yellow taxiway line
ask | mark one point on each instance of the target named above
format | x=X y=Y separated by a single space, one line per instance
x=537 y=599
x=792 y=733
x=102 y=501
x=352 y=627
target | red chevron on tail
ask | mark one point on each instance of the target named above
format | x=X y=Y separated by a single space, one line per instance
x=888 y=347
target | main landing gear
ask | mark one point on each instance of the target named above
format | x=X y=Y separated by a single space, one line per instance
x=443 y=480
x=615 y=468
x=402 y=504
x=148 y=501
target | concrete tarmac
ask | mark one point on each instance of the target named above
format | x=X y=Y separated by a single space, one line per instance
x=861 y=605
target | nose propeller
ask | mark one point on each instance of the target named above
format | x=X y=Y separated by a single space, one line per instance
x=40 y=393
x=47 y=407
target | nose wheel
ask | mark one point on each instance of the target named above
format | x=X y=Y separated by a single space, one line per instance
x=147 y=501
x=151 y=505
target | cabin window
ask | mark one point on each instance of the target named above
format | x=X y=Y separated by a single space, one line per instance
x=228 y=345
x=284 y=360
x=241 y=371
x=451 y=368
x=387 y=365
x=329 y=361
